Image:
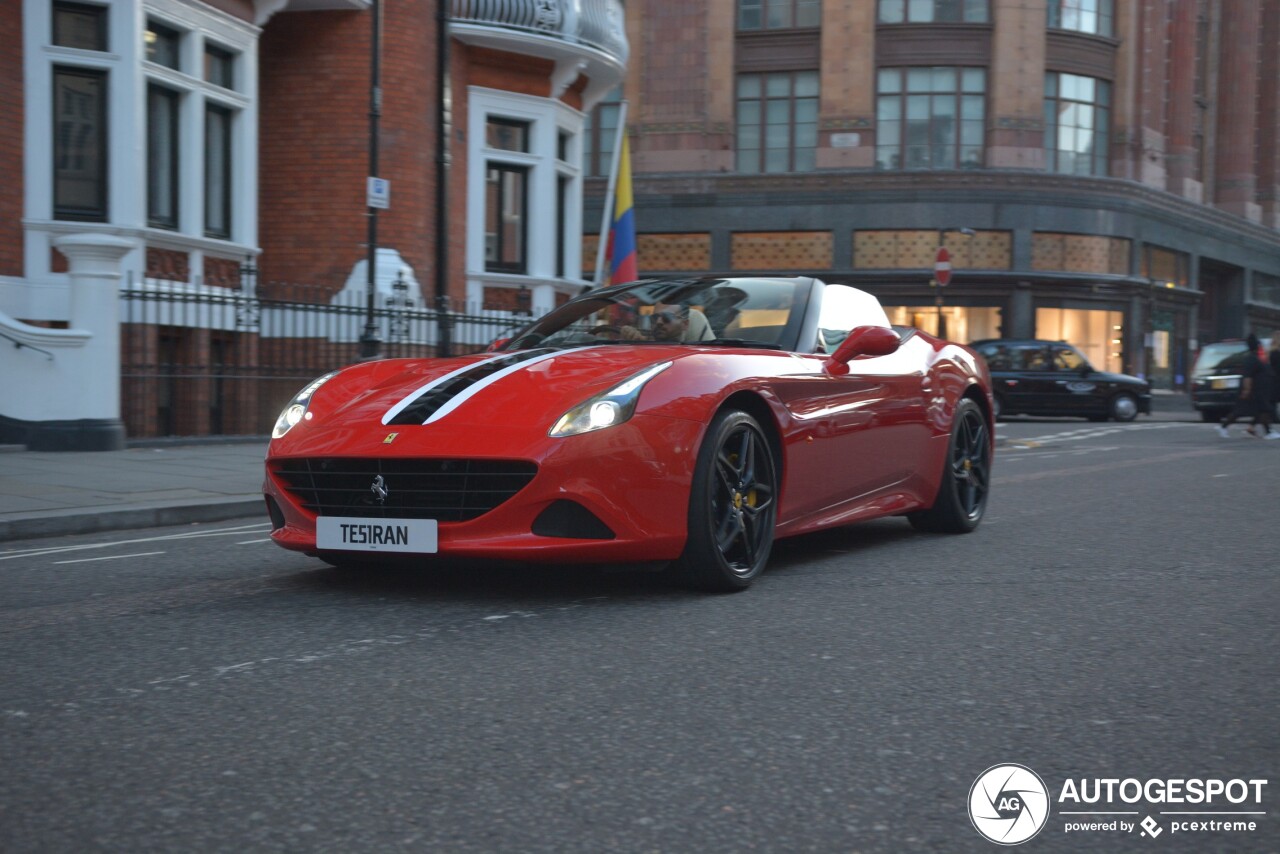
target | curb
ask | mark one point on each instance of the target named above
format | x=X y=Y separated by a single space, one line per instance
x=59 y=523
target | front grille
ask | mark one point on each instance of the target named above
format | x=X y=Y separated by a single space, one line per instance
x=445 y=490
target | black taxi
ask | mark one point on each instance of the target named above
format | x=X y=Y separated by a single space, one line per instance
x=1037 y=377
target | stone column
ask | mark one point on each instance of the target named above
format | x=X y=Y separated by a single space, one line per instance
x=1016 y=83
x=94 y=261
x=1235 y=180
x=1180 y=143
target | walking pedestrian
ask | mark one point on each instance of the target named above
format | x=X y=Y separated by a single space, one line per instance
x=1257 y=383
x=1273 y=357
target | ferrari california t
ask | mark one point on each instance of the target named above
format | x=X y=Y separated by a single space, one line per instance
x=682 y=421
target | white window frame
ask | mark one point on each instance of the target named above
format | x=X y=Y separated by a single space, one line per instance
x=546 y=119
x=128 y=75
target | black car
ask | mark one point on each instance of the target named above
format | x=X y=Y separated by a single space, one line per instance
x=1034 y=377
x=1215 y=379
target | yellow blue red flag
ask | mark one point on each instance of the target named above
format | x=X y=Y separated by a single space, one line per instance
x=623 y=266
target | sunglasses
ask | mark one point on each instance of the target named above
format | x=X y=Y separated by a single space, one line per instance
x=666 y=316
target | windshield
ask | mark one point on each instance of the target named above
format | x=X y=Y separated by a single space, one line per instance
x=1222 y=358
x=757 y=312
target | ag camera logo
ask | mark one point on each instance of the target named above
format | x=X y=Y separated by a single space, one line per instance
x=1008 y=804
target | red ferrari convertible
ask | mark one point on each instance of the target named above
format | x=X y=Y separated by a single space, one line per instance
x=689 y=421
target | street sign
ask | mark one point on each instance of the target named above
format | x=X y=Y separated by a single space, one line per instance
x=942 y=266
x=378 y=193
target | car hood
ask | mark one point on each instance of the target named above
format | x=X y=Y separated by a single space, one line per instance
x=1119 y=379
x=526 y=388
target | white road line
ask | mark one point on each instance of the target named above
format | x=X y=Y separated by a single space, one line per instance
x=251 y=542
x=108 y=557
x=187 y=535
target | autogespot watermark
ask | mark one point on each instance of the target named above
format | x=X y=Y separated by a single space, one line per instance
x=1009 y=804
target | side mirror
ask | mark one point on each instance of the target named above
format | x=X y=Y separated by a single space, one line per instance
x=862 y=341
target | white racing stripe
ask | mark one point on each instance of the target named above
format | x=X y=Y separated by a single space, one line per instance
x=476 y=387
x=414 y=395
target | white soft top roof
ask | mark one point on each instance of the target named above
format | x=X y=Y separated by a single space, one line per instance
x=843 y=301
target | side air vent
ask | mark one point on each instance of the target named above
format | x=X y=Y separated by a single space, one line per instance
x=570 y=520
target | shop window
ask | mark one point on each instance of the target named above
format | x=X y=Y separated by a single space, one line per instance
x=959 y=323
x=1166 y=267
x=1098 y=334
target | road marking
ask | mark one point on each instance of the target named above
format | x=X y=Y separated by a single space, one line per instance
x=1089 y=433
x=251 y=542
x=108 y=557
x=1110 y=466
x=186 y=535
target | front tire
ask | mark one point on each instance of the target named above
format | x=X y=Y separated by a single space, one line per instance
x=732 y=506
x=1124 y=407
x=966 y=477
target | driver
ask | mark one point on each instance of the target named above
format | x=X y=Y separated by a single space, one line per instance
x=674 y=324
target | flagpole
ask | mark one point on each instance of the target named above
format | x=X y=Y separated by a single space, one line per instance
x=607 y=218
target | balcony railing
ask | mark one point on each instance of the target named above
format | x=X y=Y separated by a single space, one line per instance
x=596 y=24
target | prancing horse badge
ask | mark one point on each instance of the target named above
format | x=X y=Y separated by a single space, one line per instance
x=391 y=437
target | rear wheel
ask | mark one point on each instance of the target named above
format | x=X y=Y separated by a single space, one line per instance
x=966 y=476
x=732 y=506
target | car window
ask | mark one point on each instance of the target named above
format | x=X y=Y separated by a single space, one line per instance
x=764 y=311
x=1033 y=357
x=1223 y=357
x=1067 y=359
x=997 y=356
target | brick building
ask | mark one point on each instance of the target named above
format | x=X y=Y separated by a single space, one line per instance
x=1102 y=171
x=228 y=143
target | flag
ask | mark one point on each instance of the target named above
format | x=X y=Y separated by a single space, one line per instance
x=622 y=231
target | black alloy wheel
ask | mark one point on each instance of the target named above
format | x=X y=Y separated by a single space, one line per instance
x=732 y=506
x=966 y=476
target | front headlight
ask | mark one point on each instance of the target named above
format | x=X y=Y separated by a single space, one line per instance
x=605 y=410
x=296 y=410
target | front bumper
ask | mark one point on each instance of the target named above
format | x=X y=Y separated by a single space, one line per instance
x=633 y=478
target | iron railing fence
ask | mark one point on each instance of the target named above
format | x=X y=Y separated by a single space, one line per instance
x=204 y=359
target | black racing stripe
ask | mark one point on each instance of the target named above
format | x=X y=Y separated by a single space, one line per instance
x=432 y=399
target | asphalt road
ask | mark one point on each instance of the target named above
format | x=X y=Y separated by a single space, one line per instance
x=198 y=689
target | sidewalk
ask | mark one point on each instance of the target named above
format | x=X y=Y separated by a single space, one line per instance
x=46 y=494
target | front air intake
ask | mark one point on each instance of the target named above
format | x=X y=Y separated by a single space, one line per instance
x=449 y=490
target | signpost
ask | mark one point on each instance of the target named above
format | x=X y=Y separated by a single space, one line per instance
x=941 y=278
x=942 y=267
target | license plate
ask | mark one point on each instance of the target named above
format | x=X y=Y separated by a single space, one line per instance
x=351 y=533
x=1227 y=382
